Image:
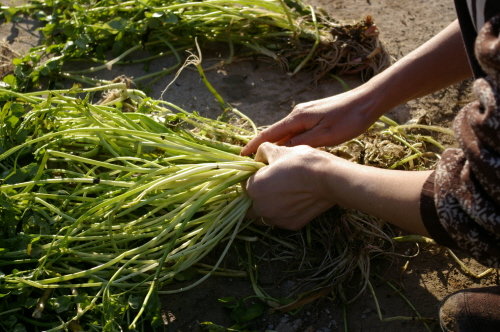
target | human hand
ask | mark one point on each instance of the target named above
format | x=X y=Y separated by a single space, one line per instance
x=291 y=190
x=330 y=121
x=324 y=122
x=301 y=182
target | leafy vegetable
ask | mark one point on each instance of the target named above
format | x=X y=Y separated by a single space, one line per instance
x=289 y=32
x=102 y=205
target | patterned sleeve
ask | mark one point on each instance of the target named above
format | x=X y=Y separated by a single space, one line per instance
x=467 y=179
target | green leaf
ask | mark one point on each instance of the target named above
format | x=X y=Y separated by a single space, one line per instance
x=153 y=22
x=9 y=14
x=48 y=29
x=230 y=302
x=30 y=302
x=17 y=109
x=19 y=328
x=17 y=62
x=77 y=7
x=118 y=48
x=226 y=299
x=52 y=64
x=40 y=15
x=9 y=222
x=157 y=320
x=12 y=121
x=188 y=274
x=20 y=174
x=17 y=176
x=61 y=304
x=253 y=311
x=11 y=80
x=54 y=48
x=118 y=23
x=69 y=47
x=76 y=88
x=21 y=136
x=135 y=301
x=10 y=321
x=83 y=42
x=70 y=31
x=237 y=314
x=81 y=298
x=171 y=18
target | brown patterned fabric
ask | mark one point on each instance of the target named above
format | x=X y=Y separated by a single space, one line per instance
x=429 y=215
x=467 y=180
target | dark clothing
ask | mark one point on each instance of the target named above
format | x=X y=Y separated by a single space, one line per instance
x=466 y=183
x=471 y=23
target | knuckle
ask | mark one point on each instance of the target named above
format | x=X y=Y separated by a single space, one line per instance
x=266 y=145
x=300 y=108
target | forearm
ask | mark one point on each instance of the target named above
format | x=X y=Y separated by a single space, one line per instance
x=436 y=64
x=391 y=195
x=301 y=182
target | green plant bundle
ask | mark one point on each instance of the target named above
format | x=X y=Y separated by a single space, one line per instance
x=291 y=33
x=102 y=204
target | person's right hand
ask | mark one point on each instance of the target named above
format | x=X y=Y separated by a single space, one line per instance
x=324 y=122
x=293 y=188
x=330 y=121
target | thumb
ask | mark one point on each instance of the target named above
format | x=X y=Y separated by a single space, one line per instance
x=267 y=153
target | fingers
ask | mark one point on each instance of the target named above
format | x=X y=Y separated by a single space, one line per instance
x=314 y=138
x=280 y=131
x=259 y=221
x=267 y=153
x=252 y=214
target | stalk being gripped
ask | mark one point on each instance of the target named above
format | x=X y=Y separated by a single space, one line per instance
x=113 y=203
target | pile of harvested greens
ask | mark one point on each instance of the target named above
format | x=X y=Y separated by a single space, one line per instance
x=103 y=203
x=294 y=35
x=101 y=206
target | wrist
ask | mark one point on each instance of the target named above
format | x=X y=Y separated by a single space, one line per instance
x=331 y=176
x=374 y=99
x=391 y=195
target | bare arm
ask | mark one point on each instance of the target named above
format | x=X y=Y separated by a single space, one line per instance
x=438 y=63
x=301 y=183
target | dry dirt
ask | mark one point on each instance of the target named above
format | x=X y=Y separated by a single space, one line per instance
x=266 y=94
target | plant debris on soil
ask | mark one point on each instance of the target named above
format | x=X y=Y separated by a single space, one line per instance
x=289 y=32
x=326 y=259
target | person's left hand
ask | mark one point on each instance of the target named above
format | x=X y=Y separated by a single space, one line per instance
x=292 y=189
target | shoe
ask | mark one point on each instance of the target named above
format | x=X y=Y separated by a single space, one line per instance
x=471 y=310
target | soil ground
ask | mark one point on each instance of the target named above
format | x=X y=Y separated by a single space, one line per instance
x=262 y=91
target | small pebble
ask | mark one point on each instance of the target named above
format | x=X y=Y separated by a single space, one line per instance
x=327 y=311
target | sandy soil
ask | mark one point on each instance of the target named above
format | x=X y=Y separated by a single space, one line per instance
x=262 y=91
